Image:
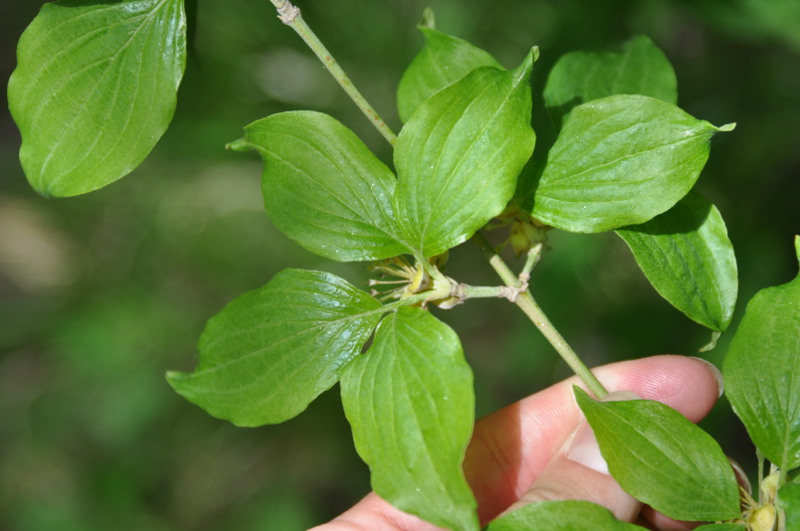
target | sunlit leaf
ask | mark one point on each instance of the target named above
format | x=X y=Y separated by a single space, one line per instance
x=570 y=515
x=410 y=402
x=324 y=188
x=762 y=372
x=272 y=351
x=444 y=60
x=687 y=256
x=618 y=161
x=789 y=501
x=720 y=527
x=459 y=156
x=581 y=76
x=94 y=89
x=663 y=459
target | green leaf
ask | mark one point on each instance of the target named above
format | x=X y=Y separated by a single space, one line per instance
x=720 y=527
x=662 y=459
x=94 y=89
x=578 y=77
x=789 y=498
x=687 y=256
x=443 y=61
x=459 y=156
x=621 y=160
x=324 y=188
x=410 y=403
x=571 y=515
x=762 y=372
x=272 y=351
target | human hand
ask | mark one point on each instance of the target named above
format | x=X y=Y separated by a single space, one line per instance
x=541 y=448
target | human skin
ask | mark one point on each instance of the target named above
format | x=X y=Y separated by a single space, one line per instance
x=541 y=448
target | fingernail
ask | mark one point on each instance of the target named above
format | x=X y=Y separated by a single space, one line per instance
x=583 y=449
x=716 y=373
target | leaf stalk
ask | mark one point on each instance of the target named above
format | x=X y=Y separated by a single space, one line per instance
x=531 y=308
x=290 y=15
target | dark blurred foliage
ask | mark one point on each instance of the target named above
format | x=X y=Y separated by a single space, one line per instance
x=101 y=294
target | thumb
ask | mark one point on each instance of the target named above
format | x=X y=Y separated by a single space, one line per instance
x=579 y=472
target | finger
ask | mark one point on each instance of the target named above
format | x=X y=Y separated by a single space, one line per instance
x=655 y=520
x=579 y=472
x=511 y=447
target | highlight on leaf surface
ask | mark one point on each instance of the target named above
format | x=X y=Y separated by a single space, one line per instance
x=324 y=188
x=662 y=459
x=272 y=351
x=410 y=402
x=459 y=156
x=620 y=160
x=95 y=88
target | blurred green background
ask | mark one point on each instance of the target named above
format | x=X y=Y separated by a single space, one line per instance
x=101 y=294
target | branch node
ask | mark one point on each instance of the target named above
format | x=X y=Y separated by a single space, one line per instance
x=511 y=293
x=287 y=13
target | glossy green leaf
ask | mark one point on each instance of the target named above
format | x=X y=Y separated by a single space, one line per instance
x=459 y=156
x=720 y=527
x=581 y=76
x=410 y=403
x=686 y=255
x=621 y=160
x=94 y=89
x=571 y=515
x=324 y=188
x=789 y=501
x=762 y=372
x=272 y=351
x=662 y=459
x=443 y=61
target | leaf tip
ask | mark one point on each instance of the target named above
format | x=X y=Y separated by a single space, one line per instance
x=523 y=71
x=175 y=379
x=797 y=246
x=580 y=394
x=712 y=343
x=428 y=19
x=727 y=127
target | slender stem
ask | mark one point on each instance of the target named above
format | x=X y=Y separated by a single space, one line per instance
x=484 y=292
x=290 y=15
x=532 y=258
x=528 y=305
